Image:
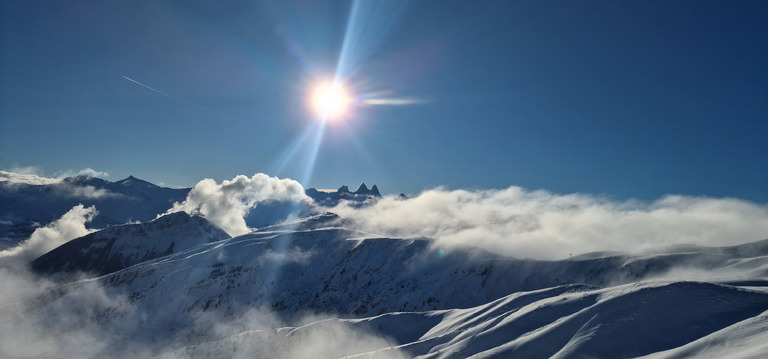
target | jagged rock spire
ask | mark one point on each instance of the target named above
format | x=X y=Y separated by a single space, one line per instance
x=363 y=189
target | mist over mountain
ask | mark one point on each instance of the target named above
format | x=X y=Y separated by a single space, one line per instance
x=26 y=206
x=335 y=274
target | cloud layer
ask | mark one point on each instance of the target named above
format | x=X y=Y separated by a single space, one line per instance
x=14 y=179
x=41 y=319
x=32 y=176
x=540 y=224
x=26 y=176
x=44 y=239
x=227 y=204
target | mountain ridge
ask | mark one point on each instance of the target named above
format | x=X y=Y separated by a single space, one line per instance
x=122 y=246
x=25 y=207
x=360 y=197
x=430 y=301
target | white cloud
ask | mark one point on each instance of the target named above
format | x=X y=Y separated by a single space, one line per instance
x=86 y=172
x=26 y=176
x=540 y=224
x=227 y=204
x=88 y=192
x=31 y=176
x=40 y=319
x=34 y=176
x=70 y=226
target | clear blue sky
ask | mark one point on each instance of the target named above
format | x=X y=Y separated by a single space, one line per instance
x=624 y=98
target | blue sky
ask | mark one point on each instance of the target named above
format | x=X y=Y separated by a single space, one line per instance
x=630 y=99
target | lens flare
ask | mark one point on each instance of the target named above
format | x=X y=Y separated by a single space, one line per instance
x=330 y=101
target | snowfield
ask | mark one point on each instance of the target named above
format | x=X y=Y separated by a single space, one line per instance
x=277 y=291
x=317 y=286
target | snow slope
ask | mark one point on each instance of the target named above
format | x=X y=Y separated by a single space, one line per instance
x=179 y=287
x=259 y=295
x=658 y=319
x=120 y=247
x=342 y=271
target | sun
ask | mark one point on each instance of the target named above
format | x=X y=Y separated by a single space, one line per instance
x=330 y=101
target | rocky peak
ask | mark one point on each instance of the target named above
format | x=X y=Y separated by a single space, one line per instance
x=134 y=182
x=363 y=189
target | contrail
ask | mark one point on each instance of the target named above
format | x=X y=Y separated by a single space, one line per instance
x=178 y=99
x=156 y=90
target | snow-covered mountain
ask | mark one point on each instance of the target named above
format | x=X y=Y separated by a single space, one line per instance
x=414 y=298
x=24 y=207
x=119 y=247
x=647 y=319
x=337 y=270
x=315 y=286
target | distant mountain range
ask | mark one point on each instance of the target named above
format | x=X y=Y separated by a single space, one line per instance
x=24 y=207
x=330 y=199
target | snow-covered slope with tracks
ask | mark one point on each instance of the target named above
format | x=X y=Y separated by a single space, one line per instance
x=417 y=300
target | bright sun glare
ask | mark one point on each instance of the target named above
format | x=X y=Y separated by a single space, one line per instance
x=330 y=100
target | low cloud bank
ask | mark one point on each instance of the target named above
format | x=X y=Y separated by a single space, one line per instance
x=44 y=239
x=40 y=319
x=33 y=176
x=25 y=176
x=86 y=172
x=227 y=204
x=16 y=178
x=540 y=224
